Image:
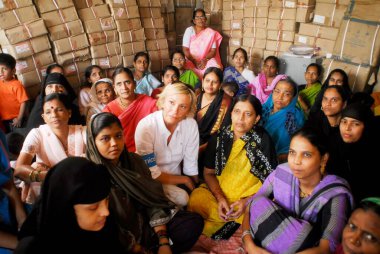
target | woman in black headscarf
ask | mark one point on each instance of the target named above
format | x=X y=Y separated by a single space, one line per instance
x=53 y=83
x=145 y=217
x=352 y=157
x=73 y=204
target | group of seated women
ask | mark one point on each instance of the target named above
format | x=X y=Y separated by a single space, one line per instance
x=182 y=165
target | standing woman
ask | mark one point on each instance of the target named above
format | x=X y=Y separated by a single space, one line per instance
x=201 y=45
x=168 y=141
x=145 y=217
x=265 y=82
x=72 y=213
x=213 y=106
x=54 y=82
x=50 y=143
x=91 y=74
x=281 y=117
x=239 y=73
x=299 y=209
x=129 y=106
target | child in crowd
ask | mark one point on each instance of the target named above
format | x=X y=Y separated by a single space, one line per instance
x=145 y=81
x=186 y=76
x=13 y=96
x=231 y=88
x=169 y=75
x=92 y=74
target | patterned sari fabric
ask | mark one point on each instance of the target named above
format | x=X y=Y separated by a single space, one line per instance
x=200 y=46
x=282 y=222
x=231 y=74
x=212 y=116
x=260 y=88
x=282 y=124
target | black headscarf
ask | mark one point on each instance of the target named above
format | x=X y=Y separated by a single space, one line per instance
x=73 y=181
x=35 y=118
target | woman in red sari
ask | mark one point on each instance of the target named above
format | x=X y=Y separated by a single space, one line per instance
x=201 y=45
x=129 y=107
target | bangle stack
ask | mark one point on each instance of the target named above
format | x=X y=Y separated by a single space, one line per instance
x=245 y=232
x=34 y=176
x=162 y=234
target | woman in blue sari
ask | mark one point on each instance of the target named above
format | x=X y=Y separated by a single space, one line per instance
x=281 y=118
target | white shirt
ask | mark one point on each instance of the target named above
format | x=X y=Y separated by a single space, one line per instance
x=187 y=35
x=248 y=75
x=151 y=143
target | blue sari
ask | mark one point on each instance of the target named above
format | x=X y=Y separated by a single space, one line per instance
x=147 y=84
x=282 y=124
x=231 y=74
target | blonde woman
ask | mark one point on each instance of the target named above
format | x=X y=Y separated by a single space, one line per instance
x=167 y=138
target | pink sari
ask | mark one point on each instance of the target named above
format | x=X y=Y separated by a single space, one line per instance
x=142 y=106
x=200 y=45
x=260 y=89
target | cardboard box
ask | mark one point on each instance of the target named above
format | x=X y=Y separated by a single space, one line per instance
x=7 y=5
x=150 y=12
x=183 y=19
x=307 y=2
x=149 y=3
x=329 y=14
x=154 y=34
x=100 y=11
x=167 y=6
x=21 y=33
x=17 y=17
x=27 y=48
x=365 y=10
x=232 y=24
x=32 y=78
x=272 y=53
x=233 y=34
x=358 y=75
x=99 y=25
x=358 y=42
x=169 y=20
x=128 y=24
x=280 y=35
x=235 y=14
x=156 y=55
x=51 y=5
x=73 y=69
x=282 y=13
x=109 y=62
x=284 y=3
x=132 y=48
x=156 y=44
x=172 y=37
x=184 y=3
x=75 y=81
x=257 y=22
x=128 y=61
x=121 y=3
x=325 y=46
x=36 y=61
x=285 y=25
x=215 y=18
x=103 y=37
x=233 y=5
x=235 y=42
x=60 y=16
x=81 y=4
x=158 y=65
x=70 y=44
x=33 y=90
x=153 y=23
x=258 y=33
x=66 y=30
x=79 y=55
x=343 y=2
x=256 y=3
x=130 y=36
x=305 y=14
x=278 y=45
x=254 y=43
x=256 y=12
x=329 y=33
x=128 y=12
x=104 y=50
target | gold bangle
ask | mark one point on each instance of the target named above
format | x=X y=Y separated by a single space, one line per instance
x=245 y=232
x=31 y=175
x=37 y=176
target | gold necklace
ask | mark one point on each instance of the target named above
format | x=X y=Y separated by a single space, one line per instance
x=303 y=194
x=122 y=104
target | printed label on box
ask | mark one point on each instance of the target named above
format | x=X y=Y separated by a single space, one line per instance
x=302 y=39
x=106 y=24
x=22 y=48
x=290 y=4
x=104 y=62
x=71 y=69
x=43 y=72
x=118 y=1
x=21 y=65
x=120 y=12
x=236 y=25
x=319 y=19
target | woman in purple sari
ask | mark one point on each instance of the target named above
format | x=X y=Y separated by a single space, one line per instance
x=299 y=209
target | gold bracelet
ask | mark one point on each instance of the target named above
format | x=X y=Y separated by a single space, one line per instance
x=245 y=232
x=37 y=176
x=31 y=175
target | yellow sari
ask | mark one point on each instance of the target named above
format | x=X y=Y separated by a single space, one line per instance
x=236 y=181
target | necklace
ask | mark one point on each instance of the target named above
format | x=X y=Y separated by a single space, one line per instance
x=303 y=194
x=122 y=104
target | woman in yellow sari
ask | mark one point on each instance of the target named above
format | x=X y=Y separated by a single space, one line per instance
x=238 y=159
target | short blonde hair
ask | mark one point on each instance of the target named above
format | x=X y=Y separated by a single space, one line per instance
x=178 y=88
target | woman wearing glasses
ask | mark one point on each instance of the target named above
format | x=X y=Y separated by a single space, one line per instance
x=201 y=45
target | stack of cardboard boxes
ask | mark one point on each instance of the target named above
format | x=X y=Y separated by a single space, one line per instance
x=24 y=35
x=168 y=13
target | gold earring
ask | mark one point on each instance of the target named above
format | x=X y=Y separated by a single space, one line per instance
x=323 y=169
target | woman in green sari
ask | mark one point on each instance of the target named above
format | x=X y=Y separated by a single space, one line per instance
x=309 y=91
